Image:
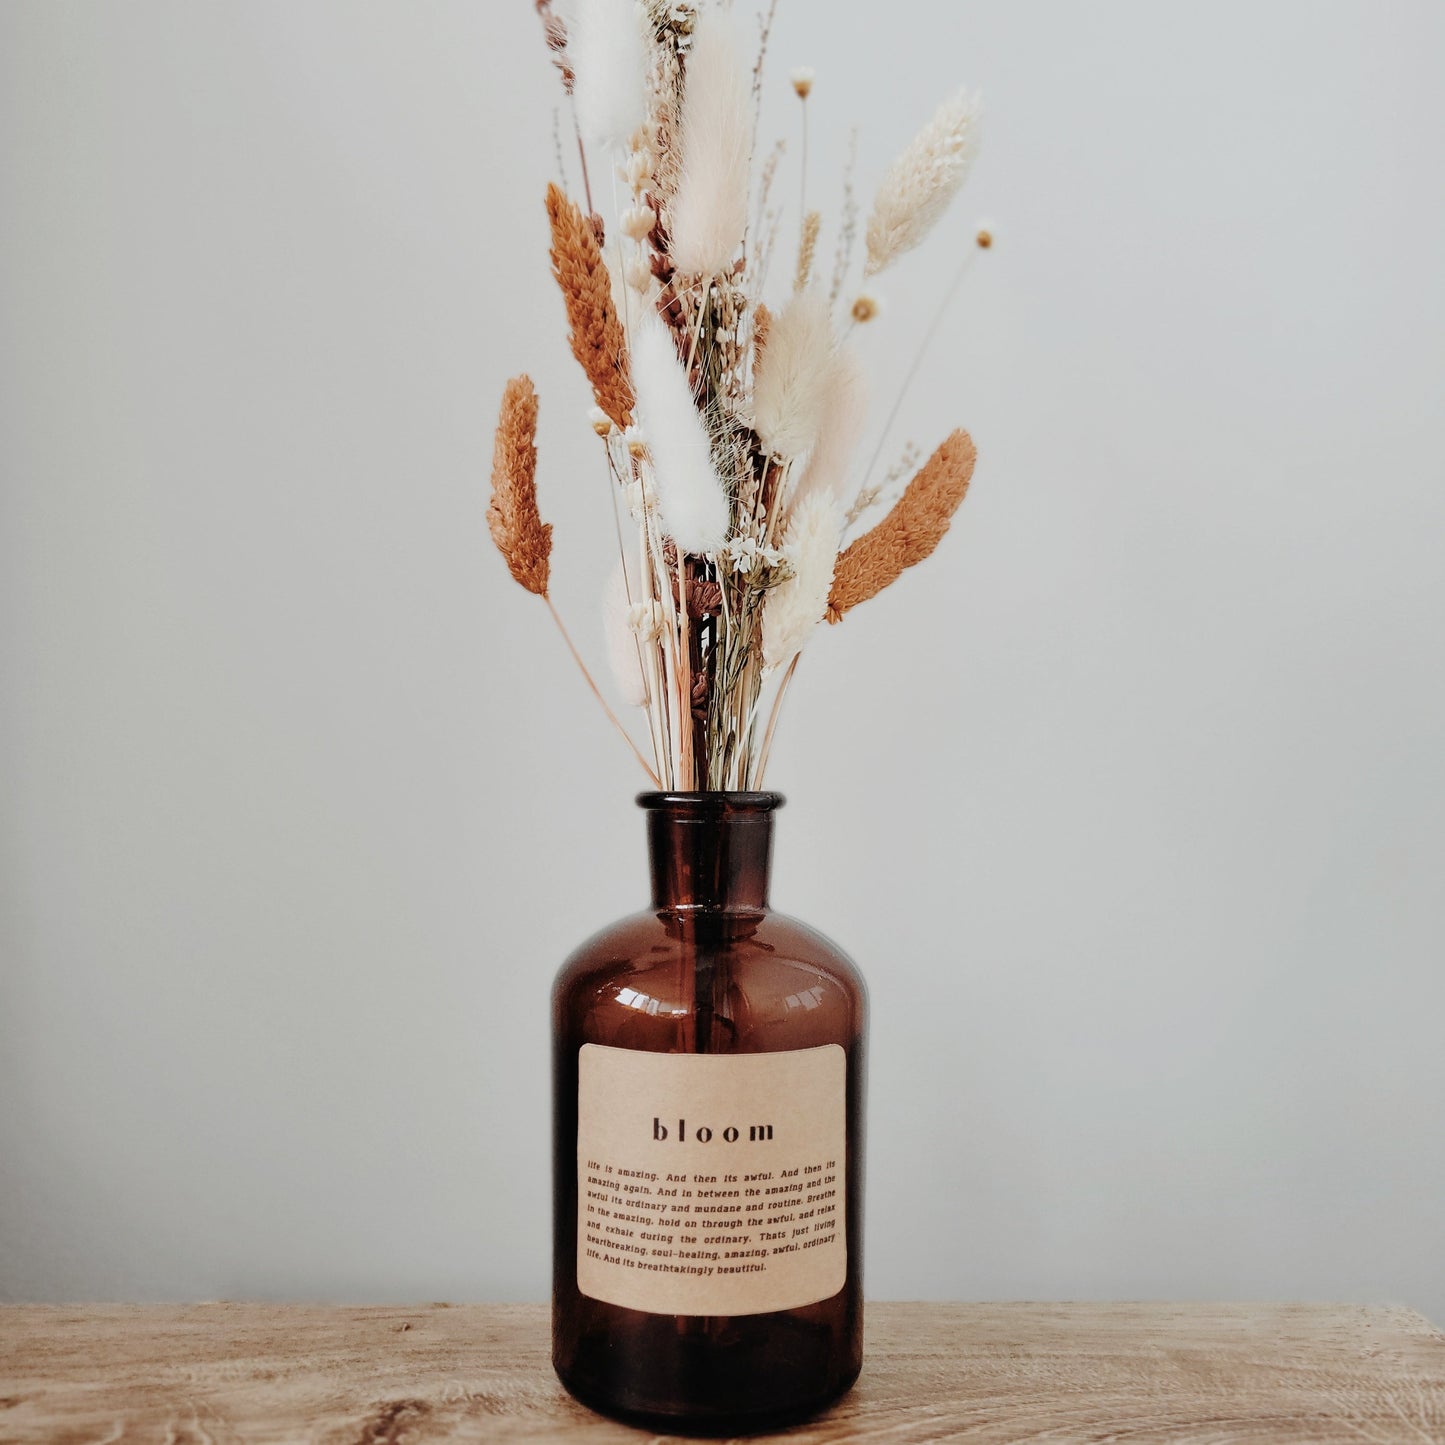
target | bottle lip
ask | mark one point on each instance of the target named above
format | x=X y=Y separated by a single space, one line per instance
x=711 y=804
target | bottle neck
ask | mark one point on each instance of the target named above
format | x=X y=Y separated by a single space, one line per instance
x=710 y=852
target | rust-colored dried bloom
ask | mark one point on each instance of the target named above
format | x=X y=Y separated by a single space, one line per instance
x=865 y=308
x=704 y=599
x=522 y=537
x=910 y=532
x=701 y=697
x=596 y=334
x=762 y=324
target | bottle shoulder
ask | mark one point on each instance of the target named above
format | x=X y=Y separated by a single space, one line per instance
x=653 y=939
x=757 y=981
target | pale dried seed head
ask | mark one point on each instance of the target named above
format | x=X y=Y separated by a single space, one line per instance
x=638 y=221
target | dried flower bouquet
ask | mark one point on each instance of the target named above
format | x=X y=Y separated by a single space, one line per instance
x=729 y=427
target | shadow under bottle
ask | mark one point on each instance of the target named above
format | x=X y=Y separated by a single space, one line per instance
x=709 y=969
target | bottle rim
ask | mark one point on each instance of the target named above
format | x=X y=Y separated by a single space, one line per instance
x=711 y=804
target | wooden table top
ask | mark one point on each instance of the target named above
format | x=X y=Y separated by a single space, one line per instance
x=188 y=1375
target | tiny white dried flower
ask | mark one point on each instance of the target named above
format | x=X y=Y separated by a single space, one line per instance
x=639 y=169
x=739 y=553
x=639 y=275
x=802 y=79
x=638 y=221
x=647 y=620
x=599 y=421
x=747 y=554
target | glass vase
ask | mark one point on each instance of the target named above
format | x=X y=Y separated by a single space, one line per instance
x=708 y=1105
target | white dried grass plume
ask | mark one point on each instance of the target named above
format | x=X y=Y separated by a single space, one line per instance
x=623 y=642
x=796 y=606
x=790 y=385
x=608 y=49
x=845 y=408
x=693 y=501
x=923 y=180
x=710 y=206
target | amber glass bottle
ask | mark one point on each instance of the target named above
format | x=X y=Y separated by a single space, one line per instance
x=708 y=1153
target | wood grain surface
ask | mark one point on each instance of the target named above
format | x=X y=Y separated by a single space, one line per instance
x=1011 y=1372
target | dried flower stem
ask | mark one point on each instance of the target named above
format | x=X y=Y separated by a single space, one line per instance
x=803 y=167
x=687 y=767
x=555 y=29
x=939 y=314
x=597 y=692
x=582 y=161
x=773 y=716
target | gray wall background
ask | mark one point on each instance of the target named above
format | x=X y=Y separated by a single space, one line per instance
x=1129 y=803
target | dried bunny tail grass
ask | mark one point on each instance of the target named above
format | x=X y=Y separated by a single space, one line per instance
x=807 y=249
x=844 y=409
x=609 y=55
x=790 y=382
x=596 y=334
x=910 y=532
x=522 y=537
x=710 y=207
x=923 y=180
x=796 y=605
x=623 y=642
x=693 y=501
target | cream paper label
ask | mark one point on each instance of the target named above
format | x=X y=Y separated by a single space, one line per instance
x=711 y=1184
